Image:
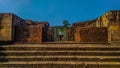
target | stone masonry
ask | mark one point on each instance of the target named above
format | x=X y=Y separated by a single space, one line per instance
x=106 y=28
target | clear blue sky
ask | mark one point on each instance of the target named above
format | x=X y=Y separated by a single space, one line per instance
x=55 y=11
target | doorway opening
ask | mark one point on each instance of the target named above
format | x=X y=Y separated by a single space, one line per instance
x=60 y=36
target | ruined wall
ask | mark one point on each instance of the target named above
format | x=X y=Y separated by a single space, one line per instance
x=90 y=23
x=17 y=20
x=29 y=34
x=8 y=31
x=50 y=34
x=91 y=35
x=70 y=32
x=14 y=28
x=109 y=18
x=45 y=26
x=114 y=33
x=29 y=22
x=6 y=27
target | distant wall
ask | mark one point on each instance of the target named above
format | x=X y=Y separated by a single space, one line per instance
x=70 y=32
x=29 y=34
x=45 y=26
x=50 y=34
x=91 y=35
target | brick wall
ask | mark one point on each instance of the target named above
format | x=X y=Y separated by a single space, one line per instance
x=17 y=20
x=115 y=32
x=91 y=35
x=50 y=34
x=70 y=32
x=7 y=23
x=29 y=34
x=6 y=27
x=29 y=22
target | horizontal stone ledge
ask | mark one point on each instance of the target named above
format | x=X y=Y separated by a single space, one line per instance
x=101 y=57
x=60 y=51
x=52 y=62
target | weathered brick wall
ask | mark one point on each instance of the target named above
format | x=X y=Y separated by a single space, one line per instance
x=5 y=33
x=5 y=19
x=115 y=32
x=45 y=26
x=7 y=23
x=22 y=32
x=50 y=34
x=29 y=22
x=70 y=32
x=91 y=35
x=17 y=20
x=29 y=33
x=109 y=18
x=6 y=27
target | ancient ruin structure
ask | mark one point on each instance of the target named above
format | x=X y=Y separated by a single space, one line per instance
x=110 y=21
x=8 y=22
x=104 y=29
x=57 y=50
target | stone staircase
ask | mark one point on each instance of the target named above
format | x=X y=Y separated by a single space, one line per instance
x=60 y=56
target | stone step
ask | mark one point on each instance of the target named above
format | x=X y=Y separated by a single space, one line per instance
x=102 y=57
x=59 y=45
x=60 y=53
x=61 y=58
x=60 y=49
x=51 y=64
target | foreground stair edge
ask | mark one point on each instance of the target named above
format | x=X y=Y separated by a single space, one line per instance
x=42 y=62
x=59 y=45
x=59 y=51
x=102 y=57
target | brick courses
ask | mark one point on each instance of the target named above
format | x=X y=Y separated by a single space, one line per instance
x=91 y=35
x=29 y=34
x=14 y=28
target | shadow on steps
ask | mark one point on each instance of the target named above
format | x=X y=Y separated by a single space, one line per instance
x=3 y=55
x=6 y=42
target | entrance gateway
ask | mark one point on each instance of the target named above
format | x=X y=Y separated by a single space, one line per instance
x=60 y=32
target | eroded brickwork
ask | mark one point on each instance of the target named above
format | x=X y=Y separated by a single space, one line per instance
x=45 y=26
x=5 y=27
x=14 y=28
x=50 y=34
x=29 y=34
x=91 y=35
x=70 y=32
x=110 y=20
x=7 y=23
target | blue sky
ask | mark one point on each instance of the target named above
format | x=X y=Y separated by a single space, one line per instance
x=55 y=11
